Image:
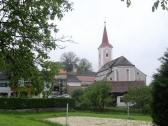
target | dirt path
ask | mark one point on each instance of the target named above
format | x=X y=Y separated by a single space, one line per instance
x=94 y=121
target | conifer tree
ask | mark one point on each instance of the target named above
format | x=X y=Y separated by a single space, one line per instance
x=160 y=93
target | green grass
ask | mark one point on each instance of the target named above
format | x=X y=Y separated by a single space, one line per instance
x=37 y=119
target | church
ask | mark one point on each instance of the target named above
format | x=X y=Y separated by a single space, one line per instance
x=120 y=72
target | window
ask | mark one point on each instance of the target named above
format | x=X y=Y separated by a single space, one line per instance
x=121 y=99
x=3 y=85
x=106 y=54
x=117 y=75
x=128 y=75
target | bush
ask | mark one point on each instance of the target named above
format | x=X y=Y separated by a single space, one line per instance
x=23 y=103
x=142 y=98
x=76 y=95
x=95 y=96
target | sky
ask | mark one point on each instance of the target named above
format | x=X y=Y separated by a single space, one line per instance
x=135 y=32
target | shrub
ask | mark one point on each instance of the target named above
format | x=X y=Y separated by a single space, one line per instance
x=95 y=95
x=76 y=95
x=23 y=103
x=142 y=98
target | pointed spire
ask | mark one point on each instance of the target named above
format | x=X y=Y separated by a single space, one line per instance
x=105 y=41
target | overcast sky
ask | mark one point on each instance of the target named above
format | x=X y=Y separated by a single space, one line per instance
x=135 y=32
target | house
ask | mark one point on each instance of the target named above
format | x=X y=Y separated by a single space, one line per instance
x=5 y=90
x=80 y=80
x=119 y=71
x=66 y=83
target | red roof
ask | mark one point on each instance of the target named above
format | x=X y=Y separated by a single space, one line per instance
x=105 y=42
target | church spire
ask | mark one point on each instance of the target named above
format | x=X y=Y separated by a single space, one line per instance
x=105 y=41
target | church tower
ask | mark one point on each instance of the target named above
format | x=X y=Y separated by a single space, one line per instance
x=105 y=49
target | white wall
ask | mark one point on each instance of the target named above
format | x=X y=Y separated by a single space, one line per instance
x=125 y=73
x=102 y=56
x=73 y=83
x=119 y=103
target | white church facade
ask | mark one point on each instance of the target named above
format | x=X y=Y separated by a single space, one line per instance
x=119 y=71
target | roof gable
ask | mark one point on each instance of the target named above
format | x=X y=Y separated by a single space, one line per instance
x=120 y=61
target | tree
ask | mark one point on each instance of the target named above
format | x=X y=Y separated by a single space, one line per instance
x=76 y=95
x=162 y=3
x=50 y=69
x=160 y=93
x=95 y=95
x=25 y=35
x=141 y=98
x=69 y=61
x=84 y=65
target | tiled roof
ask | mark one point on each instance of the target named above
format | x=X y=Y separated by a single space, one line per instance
x=120 y=61
x=72 y=78
x=124 y=86
x=86 y=78
x=87 y=73
x=105 y=41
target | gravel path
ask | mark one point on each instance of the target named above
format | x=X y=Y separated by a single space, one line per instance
x=94 y=121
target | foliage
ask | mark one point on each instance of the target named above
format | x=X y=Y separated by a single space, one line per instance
x=69 y=61
x=50 y=69
x=76 y=95
x=160 y=93
x=140 y=97
x=21 y=103
x=72 y=63
x=162 y=3
x=94 y=96
x=84 y=65
x=25 y=36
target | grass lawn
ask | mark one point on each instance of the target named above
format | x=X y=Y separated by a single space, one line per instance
x=37 y=119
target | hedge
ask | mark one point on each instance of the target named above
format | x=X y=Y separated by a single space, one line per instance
x=23 y=103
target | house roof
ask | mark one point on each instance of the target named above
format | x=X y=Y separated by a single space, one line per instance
x=86 y=78
x=120 y=61
x=105 y=41
x=87 y=73
x=124 y=86
x=72 y=78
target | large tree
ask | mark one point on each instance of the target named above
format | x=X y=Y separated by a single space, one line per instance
x=69 y=61
x=160 y=93
x=25 y=34
x=84 y=65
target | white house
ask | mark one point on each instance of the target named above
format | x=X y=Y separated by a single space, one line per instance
x=5 y=89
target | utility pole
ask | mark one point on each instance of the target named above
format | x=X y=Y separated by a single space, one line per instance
x=67 y=113
x=128 y=110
